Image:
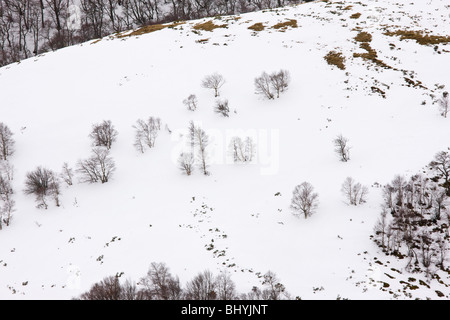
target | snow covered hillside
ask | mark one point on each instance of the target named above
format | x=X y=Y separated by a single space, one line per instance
x=378 y=90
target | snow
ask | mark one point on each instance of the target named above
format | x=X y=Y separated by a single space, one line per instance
x=50 y=102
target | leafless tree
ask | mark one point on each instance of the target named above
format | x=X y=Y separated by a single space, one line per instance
x=191 y=102
x=226 y=289
x=214 y=81
x=263 y=85
x=186 y=162
x=6 y=142
x=304 y=200
x=242 y=151
x=146 y=133
x=280 y=81
x=201 y=141
x=202 y=287
x=42 y=183
x=441 y=164
x=354 y=192
x=7 y=170
x=342 y=148
x=67 y=174
x=274 y=289
x=103 y=134
x=444 y=104
x=222 y=108
x=160 y=284
x=99 y=167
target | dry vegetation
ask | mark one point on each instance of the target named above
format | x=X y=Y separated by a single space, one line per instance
x=421 y=37
x=257 y=27
x=355 y=15
x=363 y=37
x=284 y=25
x=150 y=29
x=208 y=26
x=336 y=59
x=371 y=55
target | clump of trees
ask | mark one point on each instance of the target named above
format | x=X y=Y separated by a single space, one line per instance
x=198 y=142
x=99 y=167
x=242 y=150
x=103 y=134
x=160 y=284
x=414 y=222
x=214 y=81
x=304 y=200
x=273 y=84
x=354 y=193
x=342 y=148
x=43 y=183
x=7 y=203
x=146 y=133
x=191 y=102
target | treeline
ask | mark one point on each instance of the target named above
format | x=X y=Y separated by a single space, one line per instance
x=32 y=27
x=160 y=284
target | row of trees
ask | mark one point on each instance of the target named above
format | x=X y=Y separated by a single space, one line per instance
x=31 y=27
x=414 y=222
x=160 y=284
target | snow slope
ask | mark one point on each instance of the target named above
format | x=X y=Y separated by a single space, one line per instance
x=150 y=212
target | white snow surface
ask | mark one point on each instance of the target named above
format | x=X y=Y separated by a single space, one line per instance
x=155 y=212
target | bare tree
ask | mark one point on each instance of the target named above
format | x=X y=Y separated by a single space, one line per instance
x=201 y=141
x=274 y=289
x=263 y=85
x=160 y=284
x=226 y=289
x=280 y=81
x=6 y=142
x=441 y=164
x=214 y=81
x=202 y=287
x=242 y=151
x=42 y=183
x=186 y=162
x=103 y=134
x=191 y=102
x=304 y=200
x=354 y=192
x=67 y=174
x=444 y=104
x=99 y=167
x=146 y=133
x=222 y=108
x=342 y=148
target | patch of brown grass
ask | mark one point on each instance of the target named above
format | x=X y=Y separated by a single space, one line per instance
x=284 y=25
x=208 y=26
x=348 y=7
x=421 y=37
x=355 y=15
x=257 y=27
x=336 y=59
x=150 y=29
x=371 y=55
x=363 y=37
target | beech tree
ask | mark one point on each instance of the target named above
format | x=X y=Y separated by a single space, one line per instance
x=191 y=102
x=146 y=133
x=354 y=192
x=342 y=148
x=43 y=183
x=444 y=104
x=6 y=142
x=242 y=151
x=186 y=163
x=304 y=200
x=214 y=81
x=222 y=108
x=99 y=167
x=201 y=140
x=263 y=86
x=103 y=134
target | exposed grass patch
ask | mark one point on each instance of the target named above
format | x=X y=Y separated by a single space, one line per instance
x=355 y=15
x=348 y=7
x=96 y=41
x=257 y=27
x=208 y=26
x=202 y=40
x=421 y=37
x=363 y=37
x=336 y=59
x=150 y=29
x=284 y=25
